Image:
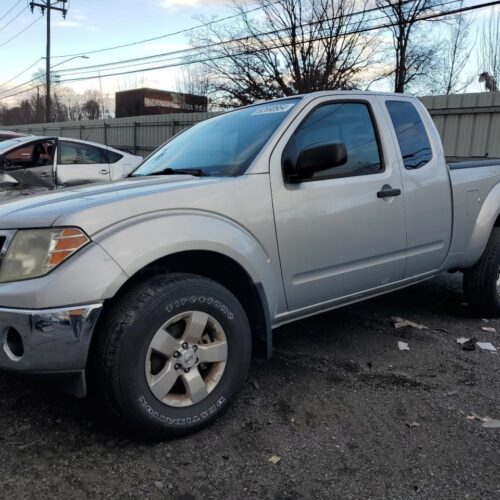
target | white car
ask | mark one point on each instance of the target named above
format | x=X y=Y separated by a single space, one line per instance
x=32 y=164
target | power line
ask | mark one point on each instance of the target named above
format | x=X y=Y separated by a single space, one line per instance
x=175 y=33
x=256 y=51
x=431 y=16
x=176 y=54
x=216 y=44
x=22 y=72
x=116 y=64
x=21 y=32
x=10 y=10
x=38 y=77
x=13 y=19
x=241 y=39
x=189 y=50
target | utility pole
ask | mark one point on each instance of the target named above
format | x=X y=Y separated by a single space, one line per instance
x=59 y=5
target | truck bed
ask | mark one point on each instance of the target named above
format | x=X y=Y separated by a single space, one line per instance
x=472 y=182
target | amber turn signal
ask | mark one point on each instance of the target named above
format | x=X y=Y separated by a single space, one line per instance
x=66 y=242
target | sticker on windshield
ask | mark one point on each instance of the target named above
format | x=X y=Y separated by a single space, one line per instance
x=265 y=109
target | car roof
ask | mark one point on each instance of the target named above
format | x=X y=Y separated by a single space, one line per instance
x=327 y=93
x=98 y=144
x=9 y=133
x=16 y=141
x=19 y=141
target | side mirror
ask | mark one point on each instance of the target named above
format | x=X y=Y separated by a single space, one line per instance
x=314 y=159
x=6 y=180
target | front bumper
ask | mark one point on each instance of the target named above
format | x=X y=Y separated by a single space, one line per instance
x=47 y=340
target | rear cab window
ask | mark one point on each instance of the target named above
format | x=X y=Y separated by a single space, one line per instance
x=410 y=130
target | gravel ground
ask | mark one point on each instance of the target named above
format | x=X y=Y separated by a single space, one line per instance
x=349 y=414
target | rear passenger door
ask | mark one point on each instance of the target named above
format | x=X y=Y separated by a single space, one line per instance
x=338 y=233
x=426 y=184
x=80 y=163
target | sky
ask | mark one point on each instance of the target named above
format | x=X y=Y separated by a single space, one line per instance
x=95 y=24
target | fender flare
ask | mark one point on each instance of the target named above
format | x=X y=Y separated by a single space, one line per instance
x=485 y=222
x=169 y=232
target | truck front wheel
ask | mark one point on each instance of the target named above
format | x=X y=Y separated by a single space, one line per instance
x=172 y=353
x=482 y=282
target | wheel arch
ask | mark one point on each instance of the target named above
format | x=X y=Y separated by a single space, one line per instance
x=222 y=269
x=487 y=219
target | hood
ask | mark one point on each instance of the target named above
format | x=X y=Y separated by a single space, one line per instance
x=95 y=206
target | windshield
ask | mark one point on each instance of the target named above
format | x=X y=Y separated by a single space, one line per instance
x=222 y=146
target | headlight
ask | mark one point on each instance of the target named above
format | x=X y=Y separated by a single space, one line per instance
x=35 y=252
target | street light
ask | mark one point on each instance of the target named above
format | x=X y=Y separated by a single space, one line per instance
x=68 y=60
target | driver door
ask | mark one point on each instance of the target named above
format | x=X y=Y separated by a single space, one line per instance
x=337 y=235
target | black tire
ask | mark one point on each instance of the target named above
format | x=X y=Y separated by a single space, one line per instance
x=124 y=338
x=480 y=281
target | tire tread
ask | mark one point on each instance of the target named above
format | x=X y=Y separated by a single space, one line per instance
x=110 y=341
x=480 y=280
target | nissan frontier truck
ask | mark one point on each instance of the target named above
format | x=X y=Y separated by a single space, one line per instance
x=154 y=291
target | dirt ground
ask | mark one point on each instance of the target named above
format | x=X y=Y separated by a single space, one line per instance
x=350 y=415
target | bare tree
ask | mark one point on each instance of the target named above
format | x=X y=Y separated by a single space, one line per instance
x=415 y=52
x=489 y=47
x=291 y=47
x=36 y=101
x=193 y=79
x=71 y=101
x=456 y=53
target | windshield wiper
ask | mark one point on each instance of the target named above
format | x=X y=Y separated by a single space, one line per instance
x=197 y=172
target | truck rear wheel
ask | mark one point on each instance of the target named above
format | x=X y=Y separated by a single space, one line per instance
x=482 y=282
x=172 y=353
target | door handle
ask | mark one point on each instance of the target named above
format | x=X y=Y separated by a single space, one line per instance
x=388 y=192
x=104 y=171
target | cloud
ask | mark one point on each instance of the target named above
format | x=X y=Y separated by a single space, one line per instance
x=176 y=4
x=79 y=17
x=75 y=25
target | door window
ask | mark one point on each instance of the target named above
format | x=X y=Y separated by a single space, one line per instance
x=412 y=136
x=114 y=157
x=36 y=154
x=74 y=153
x=347 y=122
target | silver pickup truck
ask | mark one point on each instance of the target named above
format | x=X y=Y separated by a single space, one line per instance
x=153 y=291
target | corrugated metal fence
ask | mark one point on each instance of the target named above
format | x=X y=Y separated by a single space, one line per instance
x=469 y=125
x=139 y=134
